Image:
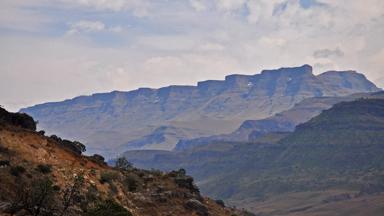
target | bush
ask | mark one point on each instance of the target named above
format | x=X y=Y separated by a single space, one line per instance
x=75 y=146
x=36 y=198
x=132 y=182
x=98 y=159
x=44 y=168
x=17 y=119
x=17 y=170
x=123 y=164
x=108 y=207
x=108 y=177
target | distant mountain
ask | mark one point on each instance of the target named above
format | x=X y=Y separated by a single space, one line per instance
x=286 y=121
x=329 y=162
x=113 y=122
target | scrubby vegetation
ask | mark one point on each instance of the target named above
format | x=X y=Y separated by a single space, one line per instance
x=17 y=170
x=74 y=146
x=44 y=168
x=108 y=207
x=123 y=164
x=108 y=177
x=17 y=119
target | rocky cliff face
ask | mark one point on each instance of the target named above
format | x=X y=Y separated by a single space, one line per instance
x=111 y=122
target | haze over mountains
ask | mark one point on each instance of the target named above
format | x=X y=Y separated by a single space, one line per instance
x=327 y=166
x=145 y=118
x=282 y=142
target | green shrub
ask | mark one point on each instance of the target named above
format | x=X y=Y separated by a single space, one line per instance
x=44 y=168
x=108 y=208
x=98 y=159
x=132 y=182
x=108 y=177
x=17 y=170
x=123 y=164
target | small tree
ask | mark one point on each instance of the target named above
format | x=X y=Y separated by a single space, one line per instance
x=123 y=164
x=72 y=193
x=37 y=198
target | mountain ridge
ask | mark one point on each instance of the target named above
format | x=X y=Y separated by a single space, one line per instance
x=209 y=108
x=335 y=157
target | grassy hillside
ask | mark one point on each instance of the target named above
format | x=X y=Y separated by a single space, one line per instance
x=42 y=175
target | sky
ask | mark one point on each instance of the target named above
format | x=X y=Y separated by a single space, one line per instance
x=52 y=50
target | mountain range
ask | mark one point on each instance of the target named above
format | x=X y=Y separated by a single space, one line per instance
x=329 y=165
x=281 y=142
x=157 y=119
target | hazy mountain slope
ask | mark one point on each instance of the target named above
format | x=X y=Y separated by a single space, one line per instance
x=285 y=121
x=341 y=151
x=40 y=176
x=106 y=121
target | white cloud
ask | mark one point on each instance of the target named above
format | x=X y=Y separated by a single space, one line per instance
x=91 y=26
x=229 y=5
x=16 y=15
x=176 y=42
x=327 y=53
x=198 y=5
x=86 y=26
x=139 y=8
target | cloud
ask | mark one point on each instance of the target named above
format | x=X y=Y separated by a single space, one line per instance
x=328 y=53
x=86 y=26
x=57 y=49
x=139 y=8
x=17 y=15
x=229 y=5
x=198 y=5
x=91 y=26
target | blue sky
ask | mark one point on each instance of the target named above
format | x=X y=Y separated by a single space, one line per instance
x=57 y=49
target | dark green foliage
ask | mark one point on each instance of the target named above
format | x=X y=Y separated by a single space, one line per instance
x=17 y=170
x=37 y=198
x=72 y=194
x=132 y=182
x=75 y=146
x=44 y=168
x=98 y=159
x=17 y=119
x=92 y=194
x=41 y=197
x=108 y=208
x=123 y=164
x=108 y=177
